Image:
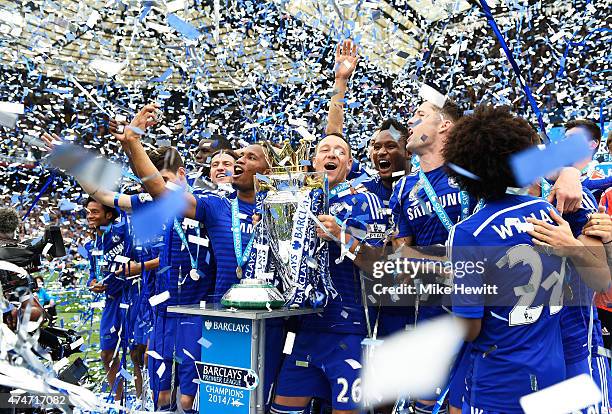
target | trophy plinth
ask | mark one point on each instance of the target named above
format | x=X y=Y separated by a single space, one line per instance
x=253 y=294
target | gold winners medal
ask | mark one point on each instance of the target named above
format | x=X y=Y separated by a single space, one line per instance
x=239 y=272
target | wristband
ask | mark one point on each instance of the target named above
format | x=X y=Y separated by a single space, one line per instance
x=116 y=201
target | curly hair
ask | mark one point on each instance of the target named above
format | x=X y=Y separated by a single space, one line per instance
x=9 y=220
x=482 y=144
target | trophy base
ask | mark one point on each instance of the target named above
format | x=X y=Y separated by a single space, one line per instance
x=253 y=294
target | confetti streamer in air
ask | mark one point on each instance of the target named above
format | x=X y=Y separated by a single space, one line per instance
x=533 y=163
x=412 y=363
x=239 y=71
x=568 y=396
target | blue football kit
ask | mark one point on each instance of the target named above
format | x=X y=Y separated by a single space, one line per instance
x=214 y=211
x=581 y=353
x=414 y=216
x=375 y=185
x=519 y=349
x=140 y=293
x=326 y=355
x=114 y=241
x=184 y=247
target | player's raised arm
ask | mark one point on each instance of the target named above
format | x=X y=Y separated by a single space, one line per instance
x=98 y=193
x=142 y=164
x=346 y=62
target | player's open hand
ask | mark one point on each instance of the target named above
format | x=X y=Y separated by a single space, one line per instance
x=332 y=227
x=599 y=225
x=49 y=140
x=557 y=239
x=346 y=59
x=144 y=119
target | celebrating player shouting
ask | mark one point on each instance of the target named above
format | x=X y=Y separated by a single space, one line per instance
x=227 y=220
x=325 y=358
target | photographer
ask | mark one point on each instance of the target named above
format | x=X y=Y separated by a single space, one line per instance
x=15 y=285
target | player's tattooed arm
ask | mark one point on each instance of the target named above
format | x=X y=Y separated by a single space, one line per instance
x=426 y=260
x=142 y=164
x=586 y=253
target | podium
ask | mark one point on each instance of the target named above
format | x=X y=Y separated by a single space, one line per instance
x=232 y=367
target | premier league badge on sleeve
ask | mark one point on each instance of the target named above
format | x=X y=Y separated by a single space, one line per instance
x=144 y=197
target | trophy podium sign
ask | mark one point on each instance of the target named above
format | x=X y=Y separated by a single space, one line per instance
x=287 y=253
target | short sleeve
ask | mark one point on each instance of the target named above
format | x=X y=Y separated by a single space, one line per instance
x=600 y=184
x=464 y=253
x=138 y=201
x=579 y=218
x=374 y=220
x=206 y=205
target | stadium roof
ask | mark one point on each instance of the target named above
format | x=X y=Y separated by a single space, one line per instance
x=138 y=42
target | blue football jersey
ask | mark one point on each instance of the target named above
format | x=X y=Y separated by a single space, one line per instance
x=575 y=319
x=375 y=186
x=516 y=291
x=345 y=313
x=413 y=215
x=116 y=240
x=356 y=170
x=173 y=273
x=215 y=212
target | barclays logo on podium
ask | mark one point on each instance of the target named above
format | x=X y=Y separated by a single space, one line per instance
x=227 y=326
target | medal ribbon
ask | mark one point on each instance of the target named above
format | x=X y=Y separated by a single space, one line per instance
x=546 y=188
x=179 y=230
x=435 y=202
x=241 y=257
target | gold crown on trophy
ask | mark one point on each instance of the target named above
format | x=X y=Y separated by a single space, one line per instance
x=285 y=159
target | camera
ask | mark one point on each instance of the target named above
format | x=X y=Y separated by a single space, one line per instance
x=27 y=255
x=58 y=342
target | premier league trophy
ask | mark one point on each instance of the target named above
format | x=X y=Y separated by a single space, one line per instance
x=287 y=255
